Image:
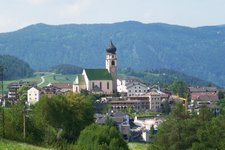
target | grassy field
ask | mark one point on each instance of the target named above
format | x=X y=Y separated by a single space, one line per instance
x=12 y=145
x=53 y=78
x=138 y=146
x=31 y=79
x=49 y=78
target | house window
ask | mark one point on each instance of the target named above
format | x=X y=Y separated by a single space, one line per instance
x=100 y=85
x=93 y=85
x=107 y=85
x=135 y=90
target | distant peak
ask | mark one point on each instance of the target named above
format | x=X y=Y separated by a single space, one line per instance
x=40 y=24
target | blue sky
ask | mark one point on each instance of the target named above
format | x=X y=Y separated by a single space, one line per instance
x=15 y=14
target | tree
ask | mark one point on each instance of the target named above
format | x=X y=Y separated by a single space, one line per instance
x=22 y=93
x=62 y=115
x=15 y=68
x=180 y=88
x=181 y=131
x=71 y=113
x=220 y=95
x=66 y=69
x=166 y=109
x=221 y=103
x=101 y=137
x=14 y=125
x=110 y=122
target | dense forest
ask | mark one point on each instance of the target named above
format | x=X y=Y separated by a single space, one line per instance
x=66 y=69
x=14 y=68
x=191 y=131
x=164 y=77
x=195 y=51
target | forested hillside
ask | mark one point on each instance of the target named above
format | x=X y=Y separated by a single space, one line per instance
x=164 y=77
x=66 y=69
x=195 y=51
x=14 y=68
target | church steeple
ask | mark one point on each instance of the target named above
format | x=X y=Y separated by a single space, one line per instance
x=111 y=48
x=111 y=63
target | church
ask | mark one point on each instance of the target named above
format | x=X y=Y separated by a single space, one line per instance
x=102 y=81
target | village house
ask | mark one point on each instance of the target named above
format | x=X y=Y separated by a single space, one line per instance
x=33 y=95
x=121 y=85
x=132 y=87
x=121 y=119
x=201 y=92
x=136 y=88
x=13 y=87
x=207 y=96
x=64 y=87
x=151 y=101
x=50 y=90
x=99 y=80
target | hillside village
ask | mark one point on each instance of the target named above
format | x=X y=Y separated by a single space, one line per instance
x=112 y=75
x=121 y=94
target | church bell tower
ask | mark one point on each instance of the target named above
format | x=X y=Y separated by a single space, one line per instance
x=111 y=64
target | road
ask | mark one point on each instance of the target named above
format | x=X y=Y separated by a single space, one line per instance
x=42 y=80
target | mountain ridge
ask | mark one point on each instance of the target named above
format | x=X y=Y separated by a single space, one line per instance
x=195 y=51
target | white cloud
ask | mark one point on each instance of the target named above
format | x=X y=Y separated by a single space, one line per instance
x=75 y=9
x=38 y=2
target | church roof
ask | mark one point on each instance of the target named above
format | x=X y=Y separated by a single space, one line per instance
x=98 y=74
x=111 y=48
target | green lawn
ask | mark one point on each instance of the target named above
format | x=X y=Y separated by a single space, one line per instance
x=144 y=114
x=53 y=78
x=138 y=146
x=49 y=78
x=31 y=79
x=13 y=145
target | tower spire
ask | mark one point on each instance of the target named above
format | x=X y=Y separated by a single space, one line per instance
x=111 y=48
x=111 y=63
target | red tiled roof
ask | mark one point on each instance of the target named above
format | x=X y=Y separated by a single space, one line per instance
x=202 y=89
x=204 y=96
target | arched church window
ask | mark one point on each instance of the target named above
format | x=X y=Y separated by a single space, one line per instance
x=107 y=85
